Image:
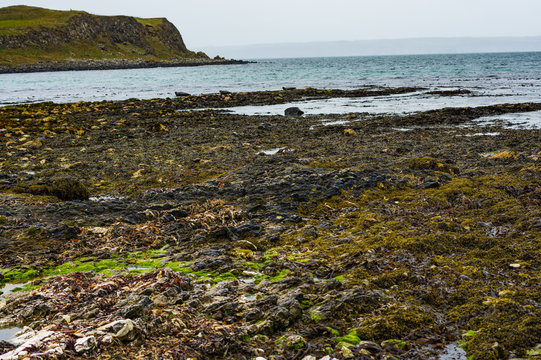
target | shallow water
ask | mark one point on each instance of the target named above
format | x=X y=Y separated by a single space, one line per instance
x=512 y=74
x=378 y=105
x=525 y=120
x=8 y=333
x=272 y=151
x=8 y=288
x=453 y=352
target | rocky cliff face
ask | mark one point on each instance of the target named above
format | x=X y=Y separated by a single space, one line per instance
x=86 y=36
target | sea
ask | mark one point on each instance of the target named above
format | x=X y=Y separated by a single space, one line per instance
x=492 y=78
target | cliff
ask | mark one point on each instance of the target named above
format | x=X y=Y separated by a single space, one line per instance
x=31 y=37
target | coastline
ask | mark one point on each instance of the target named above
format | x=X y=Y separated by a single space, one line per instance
x=112 y=64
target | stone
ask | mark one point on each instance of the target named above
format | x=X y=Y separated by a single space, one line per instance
x=86 y=343
x=430 y=184
x=346 y=352
x=295 y=341
x=124 y=330
x=293 y=111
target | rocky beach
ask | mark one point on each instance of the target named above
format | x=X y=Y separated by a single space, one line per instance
x=174 y=229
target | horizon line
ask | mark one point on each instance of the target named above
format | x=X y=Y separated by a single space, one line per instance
x=380 y=39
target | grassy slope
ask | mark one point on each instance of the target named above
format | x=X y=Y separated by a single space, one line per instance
x=16 y=20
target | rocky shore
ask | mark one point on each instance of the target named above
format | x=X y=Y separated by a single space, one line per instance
x=112 y=64
x=154 y=229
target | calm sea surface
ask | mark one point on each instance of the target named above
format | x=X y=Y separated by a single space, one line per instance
x=493 y=78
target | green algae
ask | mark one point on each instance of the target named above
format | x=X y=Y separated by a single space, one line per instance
x=15 y=275
x=104 y=266
x=351 y=338
x=281 y=275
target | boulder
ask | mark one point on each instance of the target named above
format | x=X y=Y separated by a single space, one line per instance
x=293 y=111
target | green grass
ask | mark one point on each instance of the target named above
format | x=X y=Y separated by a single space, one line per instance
x=19 y=20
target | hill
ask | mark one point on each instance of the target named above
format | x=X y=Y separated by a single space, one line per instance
x=31 y=37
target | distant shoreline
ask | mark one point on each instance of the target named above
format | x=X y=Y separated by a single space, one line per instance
x=116 y=64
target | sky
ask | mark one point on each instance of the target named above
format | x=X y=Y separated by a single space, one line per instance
x=243 y=22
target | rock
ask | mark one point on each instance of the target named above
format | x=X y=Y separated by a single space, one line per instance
x=65 y=189
x=430 y=184
x=178 y=213
x=293 y=111
x=28 y=340
x=295 y=341
x=86 y=343
x=124 y=330
x=136 y=310
x=346 y=352
x=309 y=357
x=370 y=346
x=181 y=93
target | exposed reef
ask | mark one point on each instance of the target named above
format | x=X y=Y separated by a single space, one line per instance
x=208 y=235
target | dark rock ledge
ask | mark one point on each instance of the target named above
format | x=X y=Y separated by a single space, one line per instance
x=111 y=65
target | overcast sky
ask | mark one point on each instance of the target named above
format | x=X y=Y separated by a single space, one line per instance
x=240 y=22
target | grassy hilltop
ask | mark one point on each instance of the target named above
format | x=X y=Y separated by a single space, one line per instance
x=29 y=35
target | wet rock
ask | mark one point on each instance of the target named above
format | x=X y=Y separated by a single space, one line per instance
x=370 y=346
x=137 y=310
x=65 y=189
x=178 y=213
x=64 y=232
x=248 y=229
x=221 y=264
x=430 y=184
x=293 y=111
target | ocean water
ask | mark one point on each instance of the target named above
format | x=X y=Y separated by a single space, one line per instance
x=493 y=78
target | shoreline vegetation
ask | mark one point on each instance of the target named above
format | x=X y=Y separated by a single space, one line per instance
x=151 y=228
